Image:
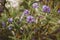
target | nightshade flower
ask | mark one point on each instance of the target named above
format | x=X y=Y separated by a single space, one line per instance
x=26 y=11
x=46 y=9
x=10 y=20
x=59 y=11
x=30 y=19
x=35 y=5
x=10 y=27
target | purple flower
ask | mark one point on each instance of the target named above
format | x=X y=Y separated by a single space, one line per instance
x=10 y=27
x=3 y=24
x=59 y=11
x=46 y=9
x=10 y=20
x=26 y=11
x=35 y=5
x=30 y=19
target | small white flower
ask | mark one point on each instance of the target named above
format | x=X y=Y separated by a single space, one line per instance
x=7 y=5
x=14 y=3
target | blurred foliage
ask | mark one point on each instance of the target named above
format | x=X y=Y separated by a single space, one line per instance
x=46 y=27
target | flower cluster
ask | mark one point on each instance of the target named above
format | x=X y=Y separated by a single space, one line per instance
x=46 y=9
x=26 y=12
x=32 y=21
x=35 y=5
x=10 y=20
